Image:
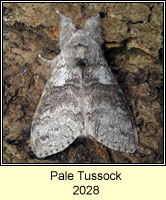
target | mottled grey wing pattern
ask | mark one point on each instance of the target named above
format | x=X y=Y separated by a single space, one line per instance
x=81 y=97
x=108 y=117
x=58 y=114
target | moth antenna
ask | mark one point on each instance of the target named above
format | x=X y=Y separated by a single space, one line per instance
x=92 y=25
x=67 y=29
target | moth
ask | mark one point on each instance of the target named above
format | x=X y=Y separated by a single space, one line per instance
x=81 y=97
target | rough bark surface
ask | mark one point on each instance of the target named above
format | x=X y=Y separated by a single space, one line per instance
x=133 y=47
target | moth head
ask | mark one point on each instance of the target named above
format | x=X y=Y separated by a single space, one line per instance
x=80 y=47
